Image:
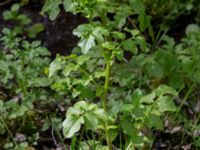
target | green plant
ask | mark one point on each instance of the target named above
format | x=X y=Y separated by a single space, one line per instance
x=102 y=73
x=23 y=24
x=23 y=76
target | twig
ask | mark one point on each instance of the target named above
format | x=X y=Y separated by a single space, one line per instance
x=53 y=137
x=4 y=3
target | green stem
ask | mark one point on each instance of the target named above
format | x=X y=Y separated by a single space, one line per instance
x=9 y=132
x=106 y=86
x=23 y=88
x=104 y=101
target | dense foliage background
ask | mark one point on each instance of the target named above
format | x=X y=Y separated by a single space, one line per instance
x=99 y=75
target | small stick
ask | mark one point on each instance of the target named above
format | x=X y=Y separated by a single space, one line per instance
x=4 y=3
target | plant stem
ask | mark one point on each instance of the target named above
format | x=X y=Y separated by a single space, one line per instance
x=8 y=130
x=106 y=86
x=104 y=101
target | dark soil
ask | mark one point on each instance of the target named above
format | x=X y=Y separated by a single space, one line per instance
x=57 y=37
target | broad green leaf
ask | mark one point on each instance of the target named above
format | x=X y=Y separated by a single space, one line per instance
x=99 y=32
x=55 y=66
x=155 y=70
x=24 y=20
x=15 y=7
x=192 y=28
x=128 y=127
x=153 y=121
x=137 y=6
x=130 y=45
x=164 y=89
x=69 y=5
x=40 y=82
x=35 y=29
x=52 y=7
x=139 y=40
x=109 y=45
x=83 y=30
x=86 y=44
x=91 y=121
x=42 y=51
x=166 y=103
x=70 y=127
x=118 y=35
x=187 y=64
x=176 y=80
x=197 y=142
x=7 y=15
x=69 y=68
x=148 y=99
x=82 y=59
x=127 y=107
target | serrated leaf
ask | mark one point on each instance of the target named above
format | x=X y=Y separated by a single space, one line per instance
x=69 y=68
x=86 y=44
x=52 y=8
x=82 y=59
x=69 y=5
x=55 y=66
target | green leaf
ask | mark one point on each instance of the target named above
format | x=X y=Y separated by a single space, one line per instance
x=69 y=68
x=52 y=7
x=137 y=6
x=128 y=127
x=165 y=103
x=192 y=28
x=15 y=7
x=139 y=40
x=130 y=130
x=69 y=5
x=109 y=45
x=91 y=121
x=70 y=127
x=42 y=51
x=55 y=66
x=7 y=15
x=99 y=32
x=24 y=20
x=164 y=89
x=148 y=99
x=118 y=35
x=154 y=121
x=89 y=34
x=155 y=70
x=35 y=29
x=130 y=45
x=144 y=21
x=82 y=113
x=86 y=44
x=187 y=64
x=82 y=59
x=41 y=82
x=176 y=80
